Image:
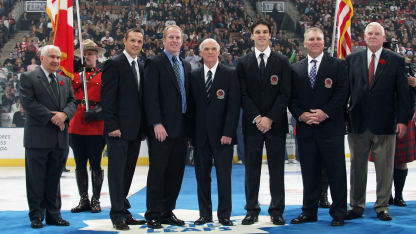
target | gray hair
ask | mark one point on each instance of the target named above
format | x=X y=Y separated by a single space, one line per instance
x=313 y=29
x=377 y=25
x=44 y=50
x=209 y=40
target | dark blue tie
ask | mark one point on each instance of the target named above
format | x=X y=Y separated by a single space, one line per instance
x=312 y=73
x=180 y=82
x=208 y=84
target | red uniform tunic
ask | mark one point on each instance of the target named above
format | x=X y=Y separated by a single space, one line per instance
x=78 y=124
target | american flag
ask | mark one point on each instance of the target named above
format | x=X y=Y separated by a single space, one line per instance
x=344 y=15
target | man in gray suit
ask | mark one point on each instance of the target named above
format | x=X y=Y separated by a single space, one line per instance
x=49 y=102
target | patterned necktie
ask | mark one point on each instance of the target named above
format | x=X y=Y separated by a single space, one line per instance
x=53 y=84
x=208 y=84
x=262 y=65
x=180 y=83
x=133 y=67
x=371 y=69
x=312 y=73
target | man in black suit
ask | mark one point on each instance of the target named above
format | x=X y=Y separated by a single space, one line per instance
x=166 y=82
x=319 y=95
x=378 y=109
x=265 y=80
x=49 y=102
x=122 y=104
x=215 y=95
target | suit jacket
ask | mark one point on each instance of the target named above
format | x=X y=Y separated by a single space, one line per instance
x=373 y=107
x=268 y=96
x=38 y=100
x=122 y=98
x=217 y=116
x=162 y=96
x=330 y=94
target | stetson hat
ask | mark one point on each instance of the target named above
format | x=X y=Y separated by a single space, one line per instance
x=88 y=44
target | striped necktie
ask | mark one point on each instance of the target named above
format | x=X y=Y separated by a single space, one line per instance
x=208 y=84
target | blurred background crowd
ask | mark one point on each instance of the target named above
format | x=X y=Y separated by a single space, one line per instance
x=227 y=21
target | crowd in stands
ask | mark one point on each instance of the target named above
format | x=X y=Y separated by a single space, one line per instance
x=398 y=17
x=227 y=21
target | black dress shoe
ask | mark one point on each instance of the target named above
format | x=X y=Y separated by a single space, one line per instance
x=121 y=225
x=337 y=222
x=304 y=219
x=351 y=214
x=226 y=222
x=58 y=222
x=399 y=202
x=131 y=221
x=278 y=220
x=203 y=220
x=250 y=219
x=172 y=220
x=384 y=216
x=36 y=223
x=153 y=223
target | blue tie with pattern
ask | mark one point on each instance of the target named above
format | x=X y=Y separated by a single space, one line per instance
x=312 y=73
x=180 y=82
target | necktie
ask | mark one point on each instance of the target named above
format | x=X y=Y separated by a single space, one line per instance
x=180 y=83
x=133 y=68
x=53 y=84
x=371 y=69
x=208 y=84
x=312 y=73
x=262 y=65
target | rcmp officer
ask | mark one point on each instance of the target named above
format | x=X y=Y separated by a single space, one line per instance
x=86 y=130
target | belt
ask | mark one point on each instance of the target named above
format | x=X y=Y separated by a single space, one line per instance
x=91 y=103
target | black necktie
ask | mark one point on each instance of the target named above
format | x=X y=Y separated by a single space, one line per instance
x=208 y=84
x=133 y=67
x=53 y=84
x=262 y=65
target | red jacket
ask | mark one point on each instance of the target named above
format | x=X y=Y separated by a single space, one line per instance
x=78 y=124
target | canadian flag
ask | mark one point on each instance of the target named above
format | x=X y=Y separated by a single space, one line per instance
x=61 y=14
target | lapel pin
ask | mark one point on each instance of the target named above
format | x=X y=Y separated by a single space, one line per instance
x=274 y=79
x=328 y=83
x=220 y=94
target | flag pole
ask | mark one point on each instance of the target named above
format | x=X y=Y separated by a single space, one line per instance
x=81 y=50
x=335 y=29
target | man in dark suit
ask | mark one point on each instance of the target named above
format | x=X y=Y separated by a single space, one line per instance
x=378 y=109
x=166 y=82
x=49 y=103
x=265 y=80
x=215 y=95
x=319 y=95
x=122 y=104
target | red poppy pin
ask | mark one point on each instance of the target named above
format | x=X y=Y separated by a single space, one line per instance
x=61 y=83
x=382 y=61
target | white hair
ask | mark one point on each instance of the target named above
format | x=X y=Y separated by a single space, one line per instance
x=377 y=25
x=201 y=46
x=44 y=50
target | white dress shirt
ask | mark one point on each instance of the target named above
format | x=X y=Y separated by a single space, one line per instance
x=377 y=58
x=131 y=59
x=318 y=63
x=266 y=55
x=213 y=70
